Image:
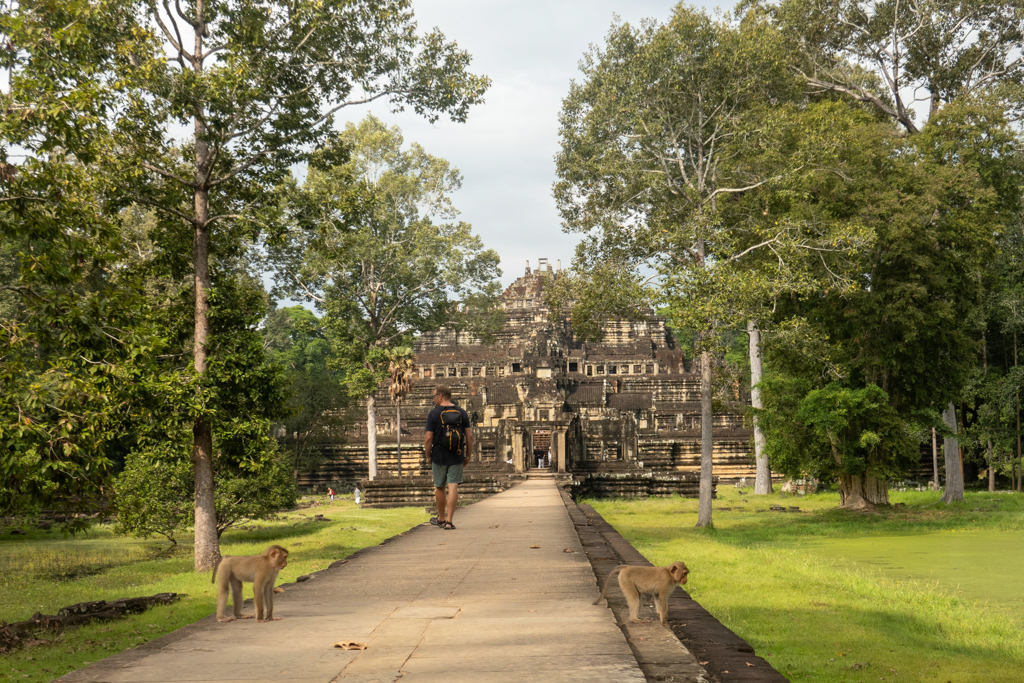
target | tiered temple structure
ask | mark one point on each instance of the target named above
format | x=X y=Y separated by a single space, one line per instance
x=617 y=417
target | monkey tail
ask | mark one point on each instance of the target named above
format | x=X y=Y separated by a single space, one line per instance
x=606 y=580
x=213 y=579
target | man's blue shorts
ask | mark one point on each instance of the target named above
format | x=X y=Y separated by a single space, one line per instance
x=446 y=474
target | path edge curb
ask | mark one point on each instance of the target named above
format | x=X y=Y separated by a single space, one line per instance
x=725 y=656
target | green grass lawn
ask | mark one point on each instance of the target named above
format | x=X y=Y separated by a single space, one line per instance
x=924 y=592
x=43 y=572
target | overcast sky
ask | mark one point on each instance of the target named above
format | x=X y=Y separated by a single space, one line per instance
x=530 y=49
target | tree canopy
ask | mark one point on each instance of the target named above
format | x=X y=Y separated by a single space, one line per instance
x=364 y=247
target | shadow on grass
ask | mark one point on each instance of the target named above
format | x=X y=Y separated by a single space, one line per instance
x=871 y=642
x=748 y=522
x=239 y=536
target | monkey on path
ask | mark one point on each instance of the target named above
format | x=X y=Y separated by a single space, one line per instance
x=259 y=570
x=637 y=581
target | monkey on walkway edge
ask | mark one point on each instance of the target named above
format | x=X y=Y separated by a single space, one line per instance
x=637 y=581
x=259 y=570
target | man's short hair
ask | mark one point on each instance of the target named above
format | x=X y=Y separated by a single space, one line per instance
x=443 y=391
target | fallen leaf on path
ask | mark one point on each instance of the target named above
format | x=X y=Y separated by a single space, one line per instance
x=703 y=663
x=568 y=550
x=534 y=546
x=749 y=664
x=350 y=645
x=279 y=590
x=493 y=527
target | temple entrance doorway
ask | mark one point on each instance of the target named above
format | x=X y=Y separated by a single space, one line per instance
x=541 y=448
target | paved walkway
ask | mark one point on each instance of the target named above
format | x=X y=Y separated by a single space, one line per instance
x=475 y=604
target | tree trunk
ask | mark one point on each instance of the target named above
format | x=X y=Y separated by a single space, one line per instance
x=991 y=468
x=398 y=420
x=935 y=460
x=862 y=491
x=371 y=434
x=706 y=442
x=207 y=548
x=1020 y=461
x=951 y=451
x=763 y=477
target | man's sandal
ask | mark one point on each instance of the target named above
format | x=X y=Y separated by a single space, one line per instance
x=447 y=525
x=437 y=522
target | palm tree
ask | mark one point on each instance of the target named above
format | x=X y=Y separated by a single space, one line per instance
x=400 y=366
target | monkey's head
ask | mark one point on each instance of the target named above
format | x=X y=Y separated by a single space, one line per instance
x=278 y=556
x=679 y=572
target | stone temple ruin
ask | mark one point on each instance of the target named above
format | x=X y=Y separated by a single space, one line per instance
x=616 y=417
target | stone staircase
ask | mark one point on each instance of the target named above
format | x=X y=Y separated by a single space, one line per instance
x=636 y=484
x=392 y=492
x=548 y=473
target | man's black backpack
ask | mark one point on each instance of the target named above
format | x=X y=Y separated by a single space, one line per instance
x=451 y=433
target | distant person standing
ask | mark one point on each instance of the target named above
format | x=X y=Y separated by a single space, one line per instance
x=448 y=442
x=356 y=494
x=330 y=492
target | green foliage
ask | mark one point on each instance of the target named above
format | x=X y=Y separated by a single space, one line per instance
x=477 y=313
x=93 y=364
x=268 y=94
x=702 y=183
x=833 y=431
x=935 y=207
x=923 y=325
x=317 y=409
x=881 y=52
x=295 y=338
x=608 y=289
x=154 y=494
x=372 y=257
x=251 y=493
x=154 y=497
x=75 y=341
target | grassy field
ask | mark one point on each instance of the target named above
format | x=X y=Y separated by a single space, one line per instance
x=829 y=596
x=44 y=572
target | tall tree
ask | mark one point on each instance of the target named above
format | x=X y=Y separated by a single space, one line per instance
x=385 y=271
x=256 y=82
x=74 y=336
x=911 y=329
x=400 y=370
x=894 y=55
x=1008 y=318
x=316 y=410
x=674 y=128
x=763 y=473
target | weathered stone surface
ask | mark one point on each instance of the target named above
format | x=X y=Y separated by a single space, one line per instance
x=474 y=604
x=386 y=492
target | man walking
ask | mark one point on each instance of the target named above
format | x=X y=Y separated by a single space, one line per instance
x=448 y=442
